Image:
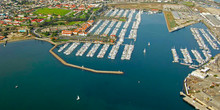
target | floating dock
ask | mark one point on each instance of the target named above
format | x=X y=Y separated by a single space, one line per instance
x=63 y=47
x=103 y=51
x=198 y=57
x=93 y=50
x=83 y=49
x=187 y=58
x=71 y=48
x=175 y=56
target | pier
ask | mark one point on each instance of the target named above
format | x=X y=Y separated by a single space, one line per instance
x=103 y=51
x=175 y=56
x=207 y=37
x=93 y=50
x=187 y=58
x=198 y=56
x=83 y=49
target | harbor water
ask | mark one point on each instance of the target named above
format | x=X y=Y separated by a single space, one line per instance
x=150 y=81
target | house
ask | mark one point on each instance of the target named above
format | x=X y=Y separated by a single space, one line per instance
x=7 y=20
x=83 y=33
x=90 y=22
x=37 y=20
x=2 y=22
x=76 y=31
x=67 y=33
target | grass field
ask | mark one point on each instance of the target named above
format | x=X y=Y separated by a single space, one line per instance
x=76 y=22
x=188 y=3
x=46 y=11
x=170 y=20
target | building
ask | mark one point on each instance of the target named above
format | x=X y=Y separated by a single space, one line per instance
x=2 y=37
x=67 y=33
x=199 y=74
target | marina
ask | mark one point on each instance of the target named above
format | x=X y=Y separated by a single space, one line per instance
x=99 y=30
x=126 y=55
x=93 y=50
x=199 y=39
x=113 y=51
x=207 y=37
x=83 y=49
x=175 y=56
x=187 y=58
x=103 y=51
x=63 y=47
x=71 y=48
x=94 y=26
x=198 y=57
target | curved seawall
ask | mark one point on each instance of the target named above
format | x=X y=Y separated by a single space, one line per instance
x=76 y=66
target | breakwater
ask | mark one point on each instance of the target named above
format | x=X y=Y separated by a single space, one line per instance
x=76 y=66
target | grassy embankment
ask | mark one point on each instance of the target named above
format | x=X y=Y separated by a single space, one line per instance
x=170 y=20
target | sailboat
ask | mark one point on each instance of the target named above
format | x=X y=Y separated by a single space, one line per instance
x=148 y=43
x=77 y=98
x=144 y=51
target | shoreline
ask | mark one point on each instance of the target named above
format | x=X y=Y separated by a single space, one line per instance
x=64 y=62
x=193 y=99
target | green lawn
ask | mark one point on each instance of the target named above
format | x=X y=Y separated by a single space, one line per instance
x=46 y=11
x=188 y=3
x=122 y=19
x=96 y=9
x=76 y=22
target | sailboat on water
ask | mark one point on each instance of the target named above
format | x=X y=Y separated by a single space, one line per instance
x=77 y=98
x=144 y=51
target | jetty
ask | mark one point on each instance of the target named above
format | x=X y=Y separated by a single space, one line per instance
x=76 y=66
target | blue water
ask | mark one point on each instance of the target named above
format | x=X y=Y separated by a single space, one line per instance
x=45 y=84
x=217 y=1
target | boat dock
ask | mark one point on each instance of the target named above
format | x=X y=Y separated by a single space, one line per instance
x=109 y=11
x=121 y=36
x=93 y=50
x=207 y=55
x=81 y=67
x=199 y=39
x=119 y=13
x=103 y=51
x=63 y=47
x=125 y=13
x=187 y=58
x=99 y=30
x=114 y=51
x=83 y=49
x=207 y=37
x=71 y=48
x=126 y=55
x=94 y=26
x=215 y=39
x=198 y=57
x=115 y=12
x=175 y=56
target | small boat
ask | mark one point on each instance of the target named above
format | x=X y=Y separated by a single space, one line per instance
x=16 y=86
x=77 y=98
x=144 y=51
x=148 y=43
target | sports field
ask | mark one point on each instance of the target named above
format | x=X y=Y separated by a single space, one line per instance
x=56 y=11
